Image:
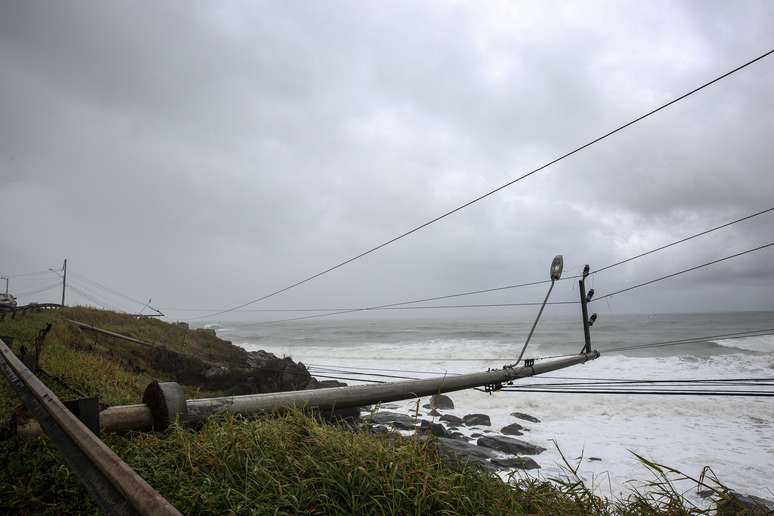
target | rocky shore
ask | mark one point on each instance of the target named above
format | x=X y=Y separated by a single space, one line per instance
x=470 y=439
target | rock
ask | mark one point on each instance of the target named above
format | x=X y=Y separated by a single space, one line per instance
x=476 y=434
x=395 y=419
x=453 y=428
x=739 y=503
x=454 y=420
x=510 y=445
x=459 y=435
x=516 y=462
x=435 y=429
x=476 y=419
x=595 y=459
x=379 y=429
x=434 y=413
x=438 y=430
x=441 y=401
x=525 y=417
x=512 y=429
x=466 y=453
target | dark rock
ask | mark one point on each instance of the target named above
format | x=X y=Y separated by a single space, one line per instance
x=453 y=428
x=454 y=420
x=435 y=429
x=438 y=430
x=434 y=413
x=379 y=429
x=510 y=445
x=459 y=435
x=441 y=401
x=476 y=434
x=516 y=462
x=739 y=503
x=395 y=419
x=595 y=459
x=512 y=429
x=400 y=425
x=525 y=417
x=477 y=419
x=466 y=453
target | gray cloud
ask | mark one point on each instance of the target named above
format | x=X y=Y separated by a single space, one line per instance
x=206 y=154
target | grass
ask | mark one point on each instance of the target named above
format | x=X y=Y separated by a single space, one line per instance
x=286 y=464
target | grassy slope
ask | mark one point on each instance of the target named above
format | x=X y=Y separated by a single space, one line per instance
x=287 y=464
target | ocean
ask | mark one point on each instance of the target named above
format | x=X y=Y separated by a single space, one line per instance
x=732 y=435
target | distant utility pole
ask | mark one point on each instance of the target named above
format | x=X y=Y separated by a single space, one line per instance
x=64 y=280
x=6 y=283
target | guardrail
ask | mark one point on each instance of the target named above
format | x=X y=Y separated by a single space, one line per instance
x=114 y=486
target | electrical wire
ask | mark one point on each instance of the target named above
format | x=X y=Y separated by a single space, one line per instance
x=487 y=290
x=682 y=272
x=647 y=392
x=495 y=190
x=112 y=291
x=38 y=291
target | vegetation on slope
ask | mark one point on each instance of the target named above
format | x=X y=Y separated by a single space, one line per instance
x=287 y=464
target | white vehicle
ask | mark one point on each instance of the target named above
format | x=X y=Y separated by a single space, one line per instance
x=7 y=301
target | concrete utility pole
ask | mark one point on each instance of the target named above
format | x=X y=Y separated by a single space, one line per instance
x=64 y=280
x=6 y=283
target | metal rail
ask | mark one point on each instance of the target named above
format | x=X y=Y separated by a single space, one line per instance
x=114 y=486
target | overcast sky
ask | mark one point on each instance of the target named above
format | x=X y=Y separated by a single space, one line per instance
x=207 y=153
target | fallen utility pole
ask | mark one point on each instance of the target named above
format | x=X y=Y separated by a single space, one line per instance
x=165 y=402
x=114 y=486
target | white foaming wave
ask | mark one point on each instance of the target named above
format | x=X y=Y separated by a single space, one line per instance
x=434 y=350
x=762 y=343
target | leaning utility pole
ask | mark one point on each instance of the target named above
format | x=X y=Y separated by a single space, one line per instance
x=64 y=280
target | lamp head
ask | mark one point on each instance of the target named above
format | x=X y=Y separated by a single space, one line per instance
x=556 y=267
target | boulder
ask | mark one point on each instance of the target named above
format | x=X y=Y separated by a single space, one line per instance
x=459 y=435
x=463 y=452
x=525 y=417
x=476 y=419
x=395 y=419
x=516 y=462
x=454 y=420
x=512 y=429
x=434 y=413
x=441 y=401
x=435 y=429
x=738 y=503
x=510 y=445
x=476 y=434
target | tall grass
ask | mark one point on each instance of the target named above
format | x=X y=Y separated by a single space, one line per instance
x=289 y=463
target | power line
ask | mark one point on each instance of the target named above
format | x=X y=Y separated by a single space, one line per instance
x=112 y=291
x=481 y=305
x=762 y=393
x=26 y=274
x=495 y=190
x=40 y=290
x=693 y=340
x=682 y=240
x=342 y=311
x=683 y=271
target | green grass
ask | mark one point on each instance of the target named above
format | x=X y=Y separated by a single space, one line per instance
x=286 y=464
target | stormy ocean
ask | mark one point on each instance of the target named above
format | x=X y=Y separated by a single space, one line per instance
x=732 y=435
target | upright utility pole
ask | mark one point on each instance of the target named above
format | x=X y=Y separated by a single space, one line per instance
x=6 y=283
x=64 y=280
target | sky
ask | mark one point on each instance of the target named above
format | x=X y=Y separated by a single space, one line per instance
x=204 y=154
